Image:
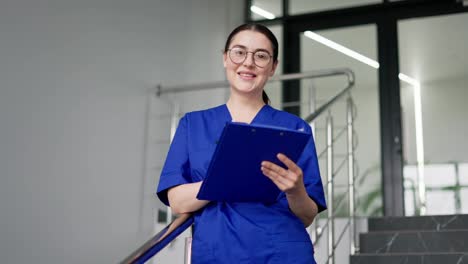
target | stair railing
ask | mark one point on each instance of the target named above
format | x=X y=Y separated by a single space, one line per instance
x=160 y=240
x=331 y=172
x=333 y=203
x=169 y=233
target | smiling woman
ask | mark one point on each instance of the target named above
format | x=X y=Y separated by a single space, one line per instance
x=247 y=232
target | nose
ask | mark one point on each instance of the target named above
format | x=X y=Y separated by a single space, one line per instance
x=249 y=60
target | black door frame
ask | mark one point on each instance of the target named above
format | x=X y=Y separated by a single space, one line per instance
x=385 y=16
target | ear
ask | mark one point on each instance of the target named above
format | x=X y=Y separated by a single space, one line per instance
x=273 y=68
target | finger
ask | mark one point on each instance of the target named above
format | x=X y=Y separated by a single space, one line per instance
x=272 y=174
x=289 y=163
x=287 y=174
x=274 y=167
x=280 y=181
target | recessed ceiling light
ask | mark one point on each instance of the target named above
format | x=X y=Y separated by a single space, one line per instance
x=338 y=47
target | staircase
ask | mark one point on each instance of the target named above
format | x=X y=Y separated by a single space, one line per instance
x=439 y=239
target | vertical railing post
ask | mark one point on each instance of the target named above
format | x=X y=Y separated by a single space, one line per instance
x=188 y=250
x=331 y=223
x=312 y=107
x=350 y=147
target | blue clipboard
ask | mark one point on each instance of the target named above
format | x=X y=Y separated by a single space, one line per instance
x=234 y=173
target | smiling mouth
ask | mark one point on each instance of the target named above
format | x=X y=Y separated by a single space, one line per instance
x=248 y=76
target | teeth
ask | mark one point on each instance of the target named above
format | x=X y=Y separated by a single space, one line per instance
x=247 y=74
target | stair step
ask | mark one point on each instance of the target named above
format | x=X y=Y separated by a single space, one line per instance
x=411 y=258
x=414 y=241
x=435 y=222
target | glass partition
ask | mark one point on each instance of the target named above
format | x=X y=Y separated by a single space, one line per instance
x=337 y=48
x=434 y=74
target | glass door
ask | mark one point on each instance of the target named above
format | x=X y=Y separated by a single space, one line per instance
x=434 y=74
x=354 y=48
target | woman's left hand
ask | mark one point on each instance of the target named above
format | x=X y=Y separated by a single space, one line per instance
x=288 y=180
x=291 y=181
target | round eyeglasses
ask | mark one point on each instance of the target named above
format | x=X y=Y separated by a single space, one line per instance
x=238 y=55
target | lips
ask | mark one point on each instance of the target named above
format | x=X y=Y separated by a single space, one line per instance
x=247 y=75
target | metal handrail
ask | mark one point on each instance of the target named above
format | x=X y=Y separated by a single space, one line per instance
x=331 y=174
x=160 y=89
x=333 y=100
x=160 y=240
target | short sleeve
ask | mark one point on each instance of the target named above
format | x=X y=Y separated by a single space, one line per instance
x=176 y=169
x=308 y=162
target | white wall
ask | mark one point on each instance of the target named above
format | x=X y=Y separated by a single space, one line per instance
x=74 y=102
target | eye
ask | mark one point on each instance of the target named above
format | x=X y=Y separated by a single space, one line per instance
x=261 y=55
x=239 y=52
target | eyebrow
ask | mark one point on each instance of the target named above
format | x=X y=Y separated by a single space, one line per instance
x=244 y=47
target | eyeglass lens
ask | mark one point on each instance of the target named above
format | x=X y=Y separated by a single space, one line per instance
x=238 y=55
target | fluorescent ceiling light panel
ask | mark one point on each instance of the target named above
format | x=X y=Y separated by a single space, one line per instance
x=262 y=12
x=408 y=79
x=351 y=53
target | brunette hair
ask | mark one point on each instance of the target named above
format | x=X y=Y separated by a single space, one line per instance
x=260 y=29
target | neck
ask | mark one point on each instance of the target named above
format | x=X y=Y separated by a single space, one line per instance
x=244 y=109
x=243 y=104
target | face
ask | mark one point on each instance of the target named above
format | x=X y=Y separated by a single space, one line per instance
x=246 y=77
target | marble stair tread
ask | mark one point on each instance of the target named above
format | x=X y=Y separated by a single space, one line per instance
x=435 y=222
x=414 y=241
x=411 y=258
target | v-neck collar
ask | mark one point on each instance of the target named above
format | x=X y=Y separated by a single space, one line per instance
x=257 y=118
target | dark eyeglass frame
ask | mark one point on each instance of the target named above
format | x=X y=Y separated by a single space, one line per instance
x=246 y=54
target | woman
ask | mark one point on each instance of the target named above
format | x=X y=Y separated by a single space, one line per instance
x=244 y=232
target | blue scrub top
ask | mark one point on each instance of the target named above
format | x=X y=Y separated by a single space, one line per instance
x=240 y=232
